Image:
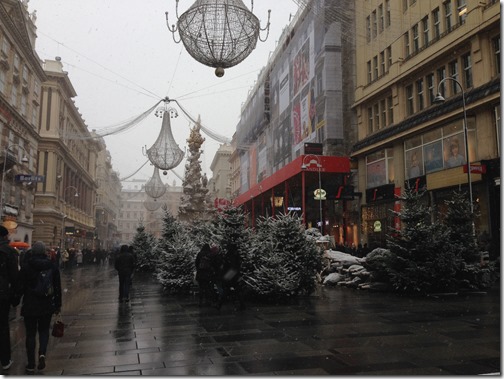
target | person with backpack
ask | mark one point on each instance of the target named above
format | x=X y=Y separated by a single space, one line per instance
x=8 y=294
x=205 y=274
x=40 y=288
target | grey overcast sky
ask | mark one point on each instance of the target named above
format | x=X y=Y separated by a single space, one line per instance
x=121 y=60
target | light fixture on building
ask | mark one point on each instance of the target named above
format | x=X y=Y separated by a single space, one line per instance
x=218 y=34
x=155 y=187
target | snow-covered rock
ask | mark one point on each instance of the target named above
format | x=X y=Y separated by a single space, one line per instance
x=332 y=279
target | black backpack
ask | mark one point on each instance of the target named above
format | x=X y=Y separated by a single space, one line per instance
x=44 y=284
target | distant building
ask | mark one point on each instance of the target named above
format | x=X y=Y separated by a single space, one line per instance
x=137 y=208
x=220 y=184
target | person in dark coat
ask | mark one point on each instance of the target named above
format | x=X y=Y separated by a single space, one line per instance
x=125 y=265
x=37 y=308
x=8 y=288
x=231 y=276
x=205 y=274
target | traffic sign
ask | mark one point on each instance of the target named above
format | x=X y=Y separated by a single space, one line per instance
x=30 y=178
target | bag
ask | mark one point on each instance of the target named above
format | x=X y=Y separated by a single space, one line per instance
x=58 y=328
x=44 y=285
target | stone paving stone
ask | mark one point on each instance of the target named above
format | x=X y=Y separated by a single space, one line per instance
x=338 y=331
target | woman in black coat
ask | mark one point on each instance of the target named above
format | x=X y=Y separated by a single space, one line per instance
x=39 y=302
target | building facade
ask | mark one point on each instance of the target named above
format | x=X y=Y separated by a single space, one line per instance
x=297 y=128
x=137 y=208
x=67 y=159
x=219 y=185
x=408 y=52
x=21 y=75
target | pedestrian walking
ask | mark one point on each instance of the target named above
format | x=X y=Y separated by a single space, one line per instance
x=40 y=288
x=8 y=291
x=231 y=276
x=125 y=266
x=205 y=275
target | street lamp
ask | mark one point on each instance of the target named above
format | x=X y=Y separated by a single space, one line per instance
x=304 y=166
x=76 y=194
x=440 y=99
x=23 y=160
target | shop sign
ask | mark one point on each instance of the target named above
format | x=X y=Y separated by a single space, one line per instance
x=319 y=194
x=377 y=226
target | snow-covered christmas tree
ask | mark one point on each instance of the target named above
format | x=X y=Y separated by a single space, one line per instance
x=194 y=202
x=144 y=249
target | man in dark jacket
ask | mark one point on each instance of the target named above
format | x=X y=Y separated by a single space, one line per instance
x=8 y=289
x=39 y=304
x=124 y=264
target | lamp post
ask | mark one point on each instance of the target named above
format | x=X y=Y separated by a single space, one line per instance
x=304 y=166
x=440 y=99
x=76 y=194
x=23 y=160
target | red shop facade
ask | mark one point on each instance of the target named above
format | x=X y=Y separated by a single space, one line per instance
x=314 y=187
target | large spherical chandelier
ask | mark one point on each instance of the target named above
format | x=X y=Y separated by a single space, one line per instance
x=218 y=33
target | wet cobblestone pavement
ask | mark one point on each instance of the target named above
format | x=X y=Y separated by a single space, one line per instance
x=338 y=331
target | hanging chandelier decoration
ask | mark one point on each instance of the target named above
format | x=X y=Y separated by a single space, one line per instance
x=218 y=33
x=152 y=204
x=165 y=154
x=155 y=187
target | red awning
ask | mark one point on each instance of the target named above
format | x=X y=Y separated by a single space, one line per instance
x=330 y=164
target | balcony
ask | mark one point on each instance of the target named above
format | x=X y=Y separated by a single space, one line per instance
x=9 y=163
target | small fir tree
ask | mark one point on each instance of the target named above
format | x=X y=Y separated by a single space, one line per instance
x=421 y=259
x=282 y=261
x=144 y=249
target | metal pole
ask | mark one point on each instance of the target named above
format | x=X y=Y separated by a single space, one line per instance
x=320 y=197
x=466 y=136
x=3 y=179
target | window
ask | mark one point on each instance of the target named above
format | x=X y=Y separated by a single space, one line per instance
x=430 y=88
x=373 y=17
x=448 y=15
x=370 y=120
x=454 y=74
x=387 y=13
x=389 y=57
x=5 y=48
x=375 y=67
x=466 y=62
x=382 y=63
x=405 y=5
x=425 y=30
x=376 y=114
x=496 y=47
x=36 y=87
x=441 y=74
x=379 y=168
x=390 y=111
x=24 y=101
x=35 y=111
x=25 y=74
x=416 y=39
x=420 y=94
x=436 y=23
x=17 y=63
x=368 y=28
x=383 y=108
x=370 y=72
x=462 y=11
x=381 y=22
x=2 y=81
x=410 y=106
x=406 y=44
x=13 y=98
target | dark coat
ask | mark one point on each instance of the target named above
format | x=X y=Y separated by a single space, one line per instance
x=9 y=272
x=124 y=263
x=36 y=305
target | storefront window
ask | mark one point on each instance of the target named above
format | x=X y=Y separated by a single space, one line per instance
x=379 y=168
